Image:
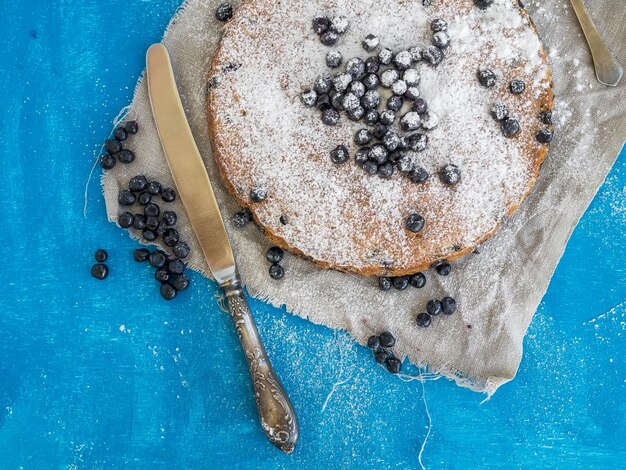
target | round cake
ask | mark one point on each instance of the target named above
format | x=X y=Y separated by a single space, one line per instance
x=380 y=136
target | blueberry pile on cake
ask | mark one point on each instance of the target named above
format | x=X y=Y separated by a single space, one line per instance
x=380 y=137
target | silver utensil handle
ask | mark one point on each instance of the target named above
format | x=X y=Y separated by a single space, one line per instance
x=278 y=418
x=608 y=69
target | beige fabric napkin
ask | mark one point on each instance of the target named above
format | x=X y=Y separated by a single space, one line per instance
x=499 y=289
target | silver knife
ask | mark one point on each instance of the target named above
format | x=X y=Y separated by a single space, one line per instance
x=278 y=418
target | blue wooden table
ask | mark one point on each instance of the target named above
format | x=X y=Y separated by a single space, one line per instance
x=106 y=374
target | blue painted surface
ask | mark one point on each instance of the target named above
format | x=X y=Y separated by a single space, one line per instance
x=107 y=375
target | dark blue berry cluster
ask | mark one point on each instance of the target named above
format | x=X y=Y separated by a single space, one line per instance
x=434 y=308
x=100 y=270
x=417 y=280
x=116 y=147
x=329 y=29
x=275 y=255
x=169 y=271
x=382 y=349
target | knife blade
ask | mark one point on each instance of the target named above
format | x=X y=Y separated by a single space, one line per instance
x=278 y=418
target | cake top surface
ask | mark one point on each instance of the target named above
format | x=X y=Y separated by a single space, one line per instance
x=265 y=138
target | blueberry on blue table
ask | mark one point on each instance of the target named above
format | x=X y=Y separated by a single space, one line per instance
x=450 y=174
x=157 y=259
x=355 y=67
x=499 y=111
x=120 y=133
x=334 y=59
x=385 y=56
x=517 y=86
x=402 y=60
x=401 y=282
x=385 y=170
x=339 y=24
x=180 y=283
x=274 y=254
x=131 y=127
x=545 y=136
x=370 y=42
x=330 y=117
x=415 y=223
x=483 y=4
x=448 y=305
x=393 y=365
x=371 y=117
x=154 y=188
x=373 y=342
x=362 y=137
x=151 y=210
x=441 y=40
x=372 y=65
x=362 y=155
x=371 y=81
x=370 y=167
x=162 y=275
x=510 y=127
x=419 y=106
x=181 y=249
x=107 y=162
x=152 y=223
x=126 y=198
x=101 y=255
x=276 y=271
x=125 y=219
x=140 y=222
x=258 y=194
x=419 y=175
x=138 y=183
x=113 y=146
x=417 y=280
x=438 y=25
x=141 y=254
x=149 y=235
x=171 y=237
x=169 y=218
x=100 y=271
x=433 y=55
x=385 y=283
x=126 y=156
x=486 y=77
x=322 y=85
x=224 y=12
x=433 y=307
x=144 y=198
x=329 y=38
x=424 y=320
x=176 y=266
x=321 y=24
x=308 y=98
x=167 y=291
x=387 y=340
x=443 y=268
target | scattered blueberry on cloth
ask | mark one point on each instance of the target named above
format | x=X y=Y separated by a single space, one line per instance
x=497 y=291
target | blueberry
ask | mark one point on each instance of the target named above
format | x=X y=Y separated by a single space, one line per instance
x=149 y=235
x=274 y=254
x=406 y=164
x=391 y=140
x=181 y=249
x=402 y=60
x=483 y=4
x=499 y=111
x=321 y=24
x=433 y=55
x=380 y=130
x=120 y=133
x=157 y=259
x=169 y=218
x=418 y=142
x=372 y=65
x=330 y=117
x=396 y=155
x=545 y=136
x=356 y=114
x=385 y=170
x=546 y=117
x=517 y=86
x=486 y=77
x=323 y=102
x=224 y=12
x=370 y=42
x=443 y=268
x=350 y=101
x=355 y=67
x=411 y=77
x=381 y=355
x=176 y=266
x=140 y=222
x=152 y=223
x=424 y=320
x=393 y=365
x=171 y=237
x=126 y=198
x=107 y=161
x=417 y=280
x=399 y=87
x=412 y=93
x=154 y=188
x=450 y=174
x=126 y=156
x=339 y=154
x=362 y=137
x=400 y=282
x=438 y=25
x=448 y=305
x=357 y=89
x=371 y=117
x=415 y=223
x=419 y=106
x=308 y=98
x=339 y=24
x=113 y=146
x=151 y=210
x=441 y=40
x=322 y=85
x=385 y=56
x=141 y=254
x=371 y=99
x=510 y=127
x=371 y=81
x=101 y=255
x=388 y=77
x=342 y=81
x=180 y=283
x=370 y=167
x=430 y=120
x=387 y=340
x=379 y=154
x=167 y=291
x=385 y=283
x=137 y=183
x=276 y=271
x=100 y=271
x=162 y=275
x=419 y=175
x=334 y=59
x=394 y=103
x=329 y=38
x=416 y=53
x=410 y=121
x=131 y=127
x=125 y=219
x=283 y=219
x=362 y=155
x=144 y=198
x=258 y=194
x=373 y=342
x=337 y=101
x=433 y=307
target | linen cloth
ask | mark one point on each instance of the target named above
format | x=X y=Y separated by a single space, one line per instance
x=498 y=290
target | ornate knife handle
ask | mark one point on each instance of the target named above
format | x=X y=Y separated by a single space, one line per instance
x=278 y=418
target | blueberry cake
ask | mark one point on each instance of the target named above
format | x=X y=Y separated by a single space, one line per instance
x=380 y=137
